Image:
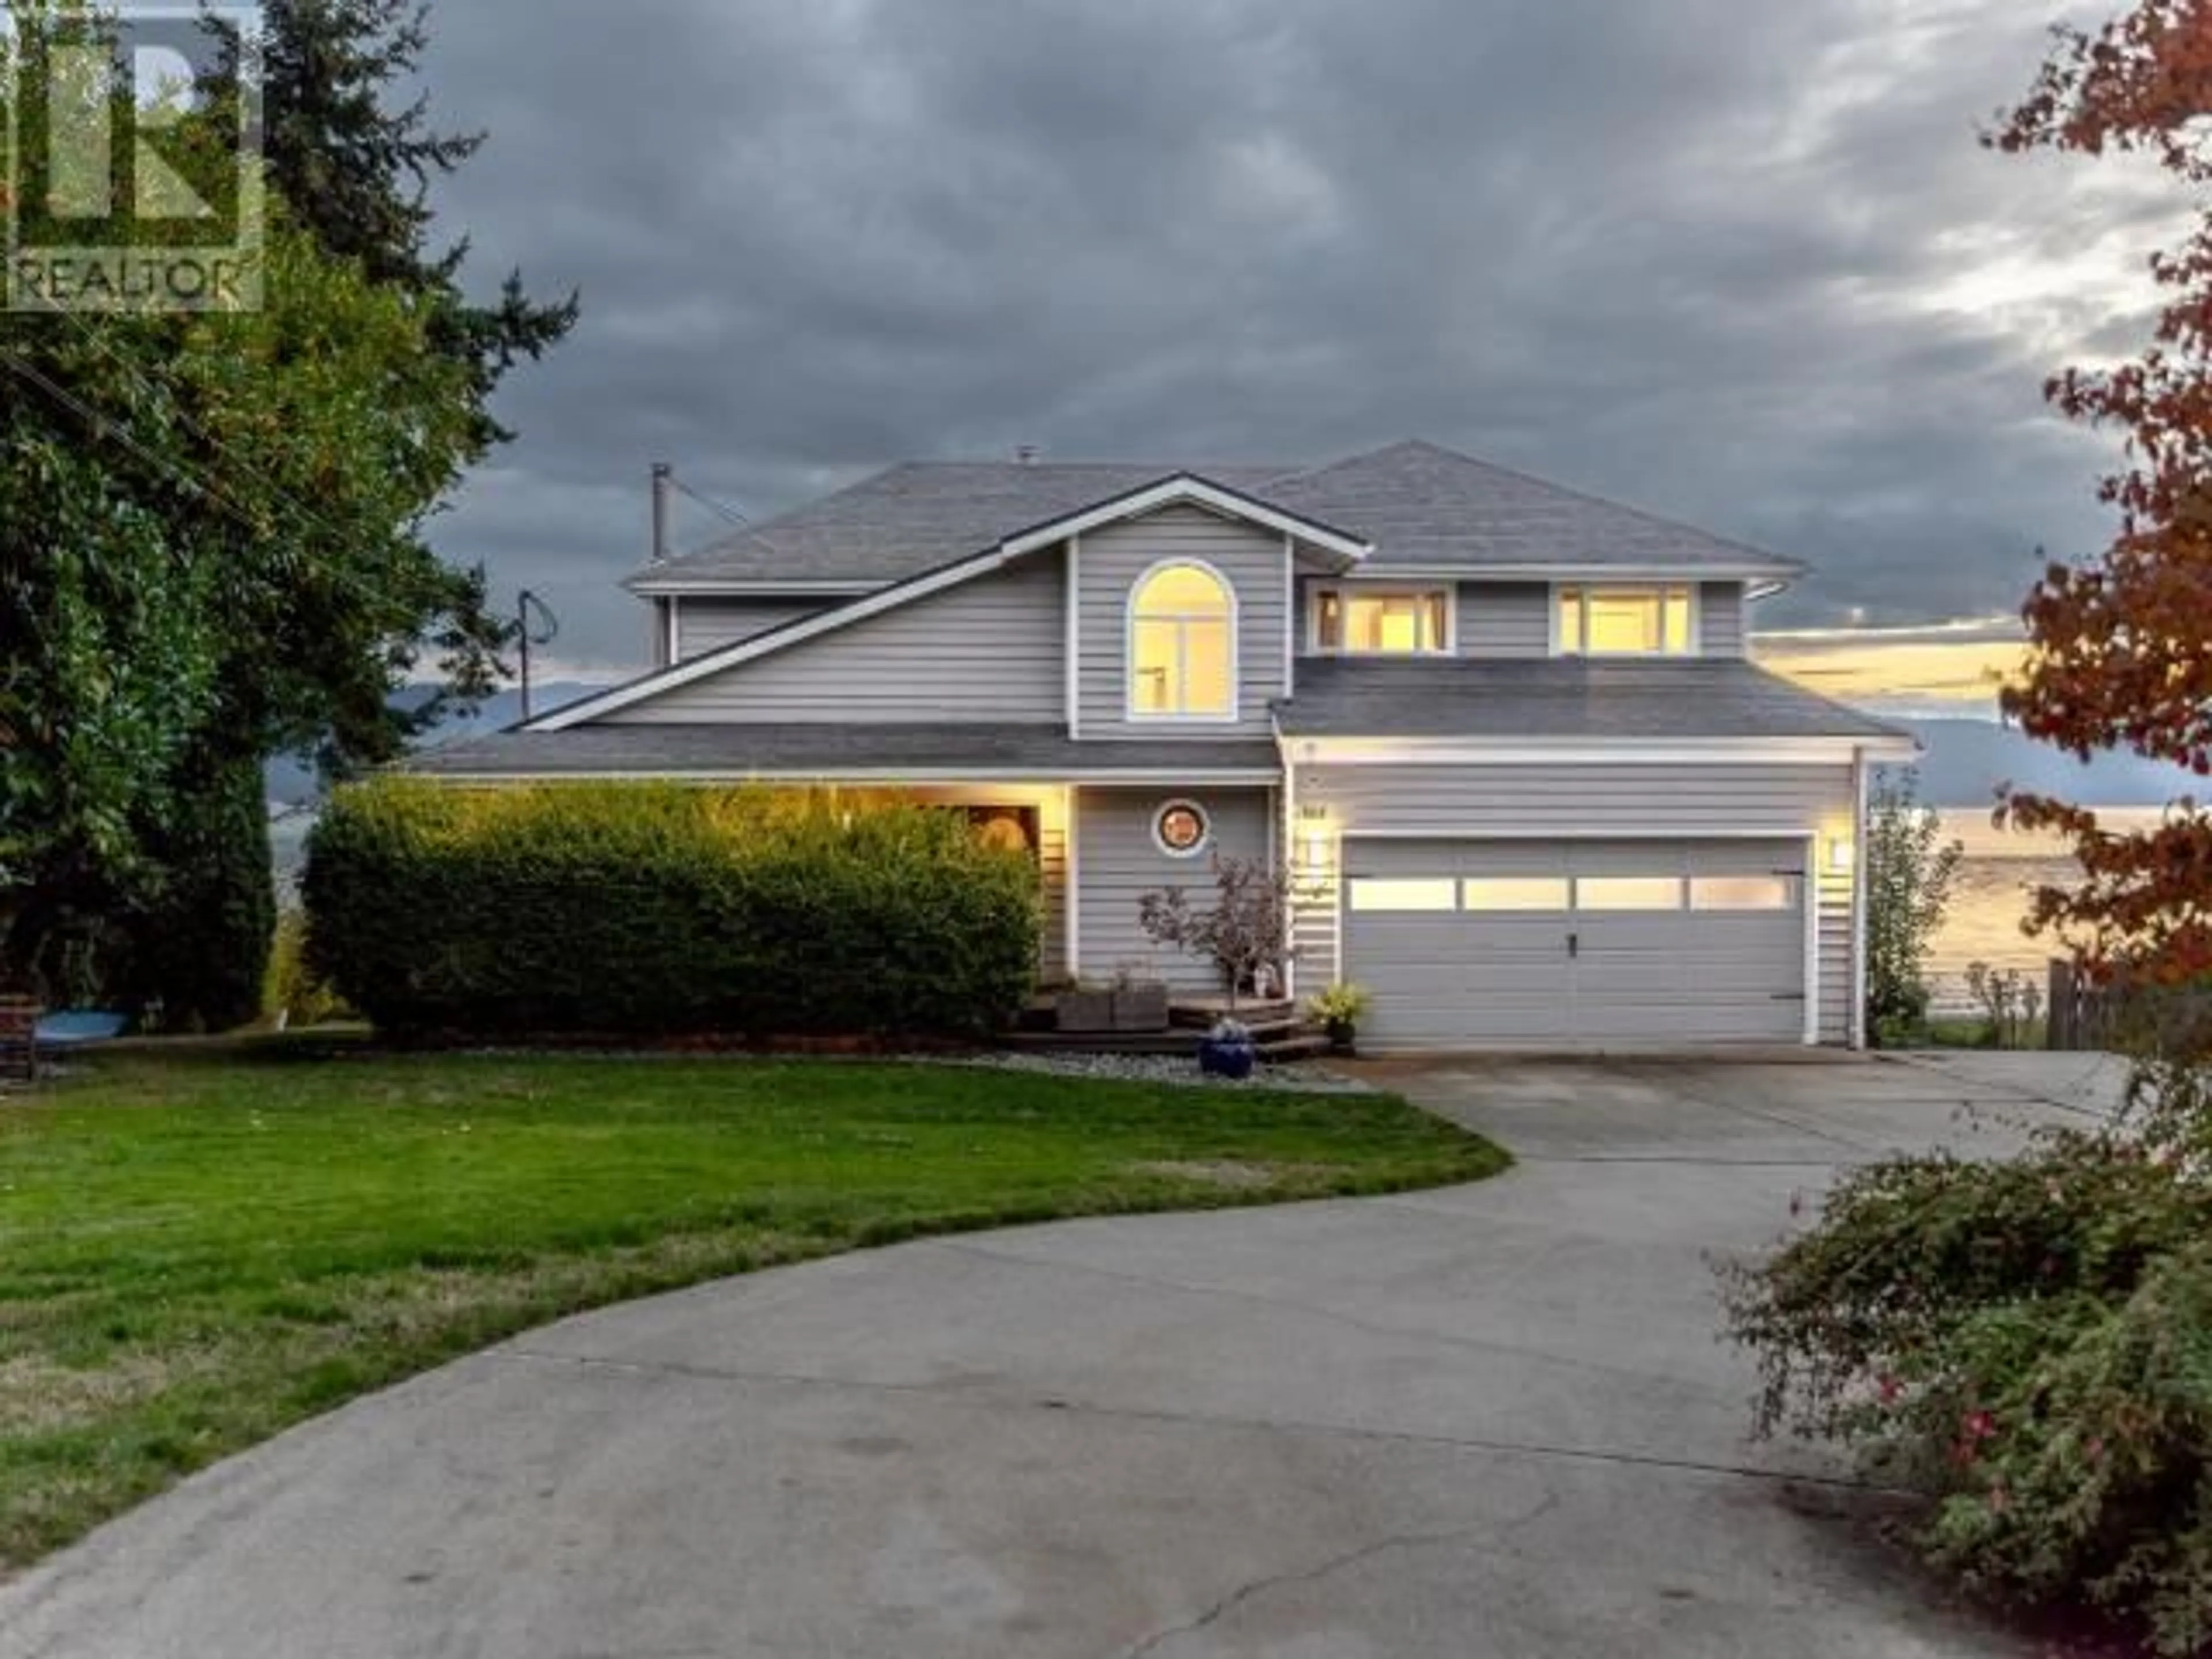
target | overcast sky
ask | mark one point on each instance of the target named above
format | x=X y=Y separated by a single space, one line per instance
x=1738 y=261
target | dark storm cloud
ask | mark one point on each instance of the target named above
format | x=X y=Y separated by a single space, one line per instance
x=1737 y=261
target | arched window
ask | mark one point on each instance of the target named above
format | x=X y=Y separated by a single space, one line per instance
x=1183 y=645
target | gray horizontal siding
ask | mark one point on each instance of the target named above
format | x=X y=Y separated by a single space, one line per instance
x=1661 y=799
x=1626 y=802
x=1721 y=619
x=1052 y=865
x=987 y=650
x=1504 y=619
x=704 y=625
x=1116 y=864
x=1111 y=561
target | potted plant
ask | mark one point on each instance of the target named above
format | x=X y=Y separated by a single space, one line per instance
x=1139 y=1004
x=1228 y=1051
x=1083 y=1008
x=1338 y=1009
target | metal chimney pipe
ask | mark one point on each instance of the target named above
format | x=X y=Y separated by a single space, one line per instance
x=663 y=479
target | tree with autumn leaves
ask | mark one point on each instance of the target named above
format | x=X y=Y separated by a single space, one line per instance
x=2121 y=645
x=2019 y=1340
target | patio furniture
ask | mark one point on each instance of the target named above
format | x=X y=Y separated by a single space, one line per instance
x=19 y=1037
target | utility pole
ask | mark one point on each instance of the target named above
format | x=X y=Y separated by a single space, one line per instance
x=548 y=629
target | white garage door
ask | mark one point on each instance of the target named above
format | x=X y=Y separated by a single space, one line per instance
x=1467 y=943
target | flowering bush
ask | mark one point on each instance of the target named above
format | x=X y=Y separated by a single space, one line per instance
x=1246 y=931
x=2029 y=1344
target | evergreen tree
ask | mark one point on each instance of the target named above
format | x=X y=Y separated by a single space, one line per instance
x=357 y=167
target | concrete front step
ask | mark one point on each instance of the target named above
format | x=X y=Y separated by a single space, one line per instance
x=1291 y=1050
x=1200 y=1015
x=1285 y=1043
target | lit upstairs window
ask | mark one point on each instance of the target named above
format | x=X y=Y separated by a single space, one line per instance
x=1183 y=645
x=1625 y=622
x=1399 y=623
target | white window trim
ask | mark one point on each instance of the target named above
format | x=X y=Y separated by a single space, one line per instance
x=1130 y=711
x=1697 y=645
x=1073 y=798
x=1071 y=636
x=1317 y=591
x=1183 y=855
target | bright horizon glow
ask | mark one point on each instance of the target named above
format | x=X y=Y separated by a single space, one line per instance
x=1946 y=669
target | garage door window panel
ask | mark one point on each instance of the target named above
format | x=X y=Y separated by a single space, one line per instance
x=1512 y=896
x=1628 y=894
x=1404 y=896
x=1743 y=894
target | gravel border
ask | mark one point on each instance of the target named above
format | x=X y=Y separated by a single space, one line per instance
x=1305 y=1077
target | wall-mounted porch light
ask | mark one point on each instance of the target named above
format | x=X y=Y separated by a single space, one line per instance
x=1314 y=838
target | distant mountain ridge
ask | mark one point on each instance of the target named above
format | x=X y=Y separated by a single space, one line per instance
x=293 y=783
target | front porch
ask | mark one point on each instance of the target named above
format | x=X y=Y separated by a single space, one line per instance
x=1107 y=820
x=1099 y=849
x=1280 y=1029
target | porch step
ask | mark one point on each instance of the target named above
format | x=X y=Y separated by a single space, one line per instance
x=1283 y=1044
x=1258 y=1016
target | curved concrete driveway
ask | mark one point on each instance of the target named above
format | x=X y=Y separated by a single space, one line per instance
x=1488 y=1421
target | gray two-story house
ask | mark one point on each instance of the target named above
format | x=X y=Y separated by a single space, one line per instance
x=1503 y=736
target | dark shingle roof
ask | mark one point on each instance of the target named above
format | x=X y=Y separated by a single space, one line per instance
x=793 y=751
x=1565 y=697
x=1420 y=504
x=923 y=514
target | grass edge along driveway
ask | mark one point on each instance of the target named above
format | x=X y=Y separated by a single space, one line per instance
x=205 y=1244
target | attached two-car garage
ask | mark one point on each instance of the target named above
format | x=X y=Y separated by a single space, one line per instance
x=1469 y=943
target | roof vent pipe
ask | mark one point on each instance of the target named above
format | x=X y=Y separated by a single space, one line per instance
x=662 y=478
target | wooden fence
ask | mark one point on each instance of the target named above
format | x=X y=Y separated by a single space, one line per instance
x=2084 y=1016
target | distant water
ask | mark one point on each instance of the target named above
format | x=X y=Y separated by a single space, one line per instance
x=1990 y=898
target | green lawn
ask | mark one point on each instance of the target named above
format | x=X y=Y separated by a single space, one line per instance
x=201 y=1245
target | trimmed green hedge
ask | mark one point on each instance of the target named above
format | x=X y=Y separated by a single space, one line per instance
x=664 y=910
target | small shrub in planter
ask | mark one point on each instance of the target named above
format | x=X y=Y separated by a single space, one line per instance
x=1338 y=1009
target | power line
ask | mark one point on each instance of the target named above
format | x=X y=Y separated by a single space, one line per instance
x=269 y=486
x=722 y=508
x=104 y=425
x=196 y=479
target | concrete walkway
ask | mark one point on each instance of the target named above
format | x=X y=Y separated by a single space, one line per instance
x=1491 y=1421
